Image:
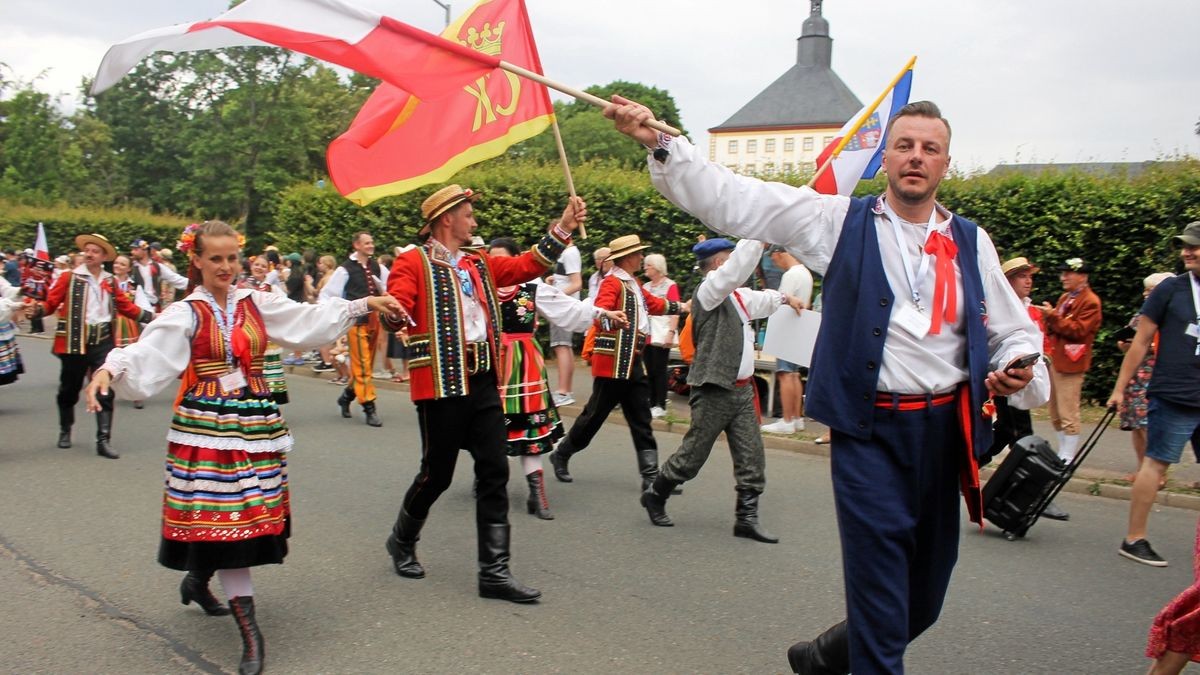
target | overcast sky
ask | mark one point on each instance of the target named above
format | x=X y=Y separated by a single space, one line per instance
x=1021 y=80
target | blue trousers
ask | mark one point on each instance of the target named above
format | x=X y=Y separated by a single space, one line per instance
x=897 y=498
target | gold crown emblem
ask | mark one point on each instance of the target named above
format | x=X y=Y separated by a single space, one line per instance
x=487 y=40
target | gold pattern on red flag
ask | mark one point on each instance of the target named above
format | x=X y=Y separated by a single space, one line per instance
x=398 y=143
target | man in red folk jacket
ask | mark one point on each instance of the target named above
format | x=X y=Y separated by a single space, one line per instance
x=453 y=319
x=86 y=306
x=617 y=370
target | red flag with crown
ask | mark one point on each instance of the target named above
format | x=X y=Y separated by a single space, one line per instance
x=398 y=143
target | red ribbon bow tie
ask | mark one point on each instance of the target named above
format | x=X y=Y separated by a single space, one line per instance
x=945 y=290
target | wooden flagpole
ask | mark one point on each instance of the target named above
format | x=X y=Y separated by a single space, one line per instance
x=837 y=149
x=583 y=95
x=566 y=167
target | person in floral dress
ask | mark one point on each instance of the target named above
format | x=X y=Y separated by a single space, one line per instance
x=530 y=415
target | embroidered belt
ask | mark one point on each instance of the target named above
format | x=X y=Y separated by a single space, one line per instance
x=98 y=332
x=906 y=402
x=479 y=358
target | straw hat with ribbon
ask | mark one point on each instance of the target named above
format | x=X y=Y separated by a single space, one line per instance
x=442 y=201
x=1011 y=267
x=623 y=246
x=100 y=240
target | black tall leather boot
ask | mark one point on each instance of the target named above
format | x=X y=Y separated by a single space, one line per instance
x=194 y=588
x=647 y=459
x=104 y=420
x=537 y=504
x=747 y=519
x=345 y=400
x=655 y=500
x=829 y=654
x=372 y=417
x=402 y=546
x=253 y=653
x=66 y=419
x=495 y=579
x=558 y=460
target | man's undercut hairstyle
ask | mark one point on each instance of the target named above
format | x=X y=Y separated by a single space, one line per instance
x=919 y=109
x=359 y=235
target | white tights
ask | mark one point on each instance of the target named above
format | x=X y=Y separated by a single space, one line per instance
x=531 y=463
x=236 y=582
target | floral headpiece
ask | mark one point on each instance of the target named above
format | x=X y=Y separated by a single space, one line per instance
x=187 y=240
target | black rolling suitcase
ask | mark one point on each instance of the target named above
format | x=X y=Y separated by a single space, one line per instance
x=1029 y=478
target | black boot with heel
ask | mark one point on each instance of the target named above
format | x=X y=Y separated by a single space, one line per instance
x=194 y=588
x=537 y=503
x=253 y=652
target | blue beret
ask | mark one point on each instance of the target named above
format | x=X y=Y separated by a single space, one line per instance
x=710 y=247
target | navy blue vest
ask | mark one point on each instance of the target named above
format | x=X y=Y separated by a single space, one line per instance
x=857 y=305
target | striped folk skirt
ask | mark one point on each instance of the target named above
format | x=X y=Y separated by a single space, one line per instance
x=529 y=413
x=273 y=373
x=226 y=502
x=10 y=355
x=125 y=331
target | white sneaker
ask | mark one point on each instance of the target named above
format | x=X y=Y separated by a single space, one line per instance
x=657 y=412
x=780 y=427
x=382 y=375
x=561 y=399
x=799 y=422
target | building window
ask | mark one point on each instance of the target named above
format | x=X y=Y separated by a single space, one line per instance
x=751 y=146
x=788 y=167
x=769 y=145
x=750 y=168
x=808 y=143
x=733 y=147
x=789 y=145
x=732 y=167
x=769 y=168
x=828 y=140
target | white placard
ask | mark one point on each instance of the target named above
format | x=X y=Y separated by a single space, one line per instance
x=791 y=337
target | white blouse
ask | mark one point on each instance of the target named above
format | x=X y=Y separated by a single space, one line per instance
x=565 y=311
x=164 y=347
x=10 y=301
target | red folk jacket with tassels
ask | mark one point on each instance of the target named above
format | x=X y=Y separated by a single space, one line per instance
x=69 y=296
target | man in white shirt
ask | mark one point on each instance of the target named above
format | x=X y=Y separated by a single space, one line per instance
x=723 y=397
x=797 y=281
x=568 y=278
x=603 y=265
x=919 y=330
x=149 y=275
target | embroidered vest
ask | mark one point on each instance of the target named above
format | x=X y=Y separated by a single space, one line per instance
x=443 y=348
x=857 y=305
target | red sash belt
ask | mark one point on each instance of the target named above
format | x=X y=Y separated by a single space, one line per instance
x=908 y=402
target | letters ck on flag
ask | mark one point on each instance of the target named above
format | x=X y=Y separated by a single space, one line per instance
x=863 y=152
x=398 y=143
x=331 y=30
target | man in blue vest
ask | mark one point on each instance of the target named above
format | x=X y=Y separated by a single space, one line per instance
x=919 y=330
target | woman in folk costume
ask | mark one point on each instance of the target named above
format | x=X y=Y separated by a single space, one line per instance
x=226 y=504
x=126 y=330
x=10 y=356
x=529 y=412
x=273 y=357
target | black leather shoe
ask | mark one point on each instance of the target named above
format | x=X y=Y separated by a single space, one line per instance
x=64 y=438
x=1054 y=513
x=495 y=578
x=655 y=501
x=829 y=654
x=372 y=417
x=253 y=649
x=344 y=402
x=747 y=526
x=194 y=588
x=402 y=546
x=559 y=462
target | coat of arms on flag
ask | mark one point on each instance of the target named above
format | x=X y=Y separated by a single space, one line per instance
x=868 y=136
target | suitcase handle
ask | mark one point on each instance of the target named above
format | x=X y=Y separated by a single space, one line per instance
x=1092 y=439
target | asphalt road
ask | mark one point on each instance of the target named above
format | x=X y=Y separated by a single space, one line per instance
x=82 y=592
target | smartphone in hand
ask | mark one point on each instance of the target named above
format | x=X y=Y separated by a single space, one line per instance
x=1022 y=362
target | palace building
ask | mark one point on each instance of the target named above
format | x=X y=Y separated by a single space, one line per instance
x=785 y=127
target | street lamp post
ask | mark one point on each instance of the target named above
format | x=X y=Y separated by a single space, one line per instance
x=445 y=6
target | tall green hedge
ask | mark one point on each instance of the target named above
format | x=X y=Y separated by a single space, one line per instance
x=1121 y=225
x=18 y=226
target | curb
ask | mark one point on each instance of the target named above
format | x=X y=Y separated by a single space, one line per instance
x=1083 y=483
